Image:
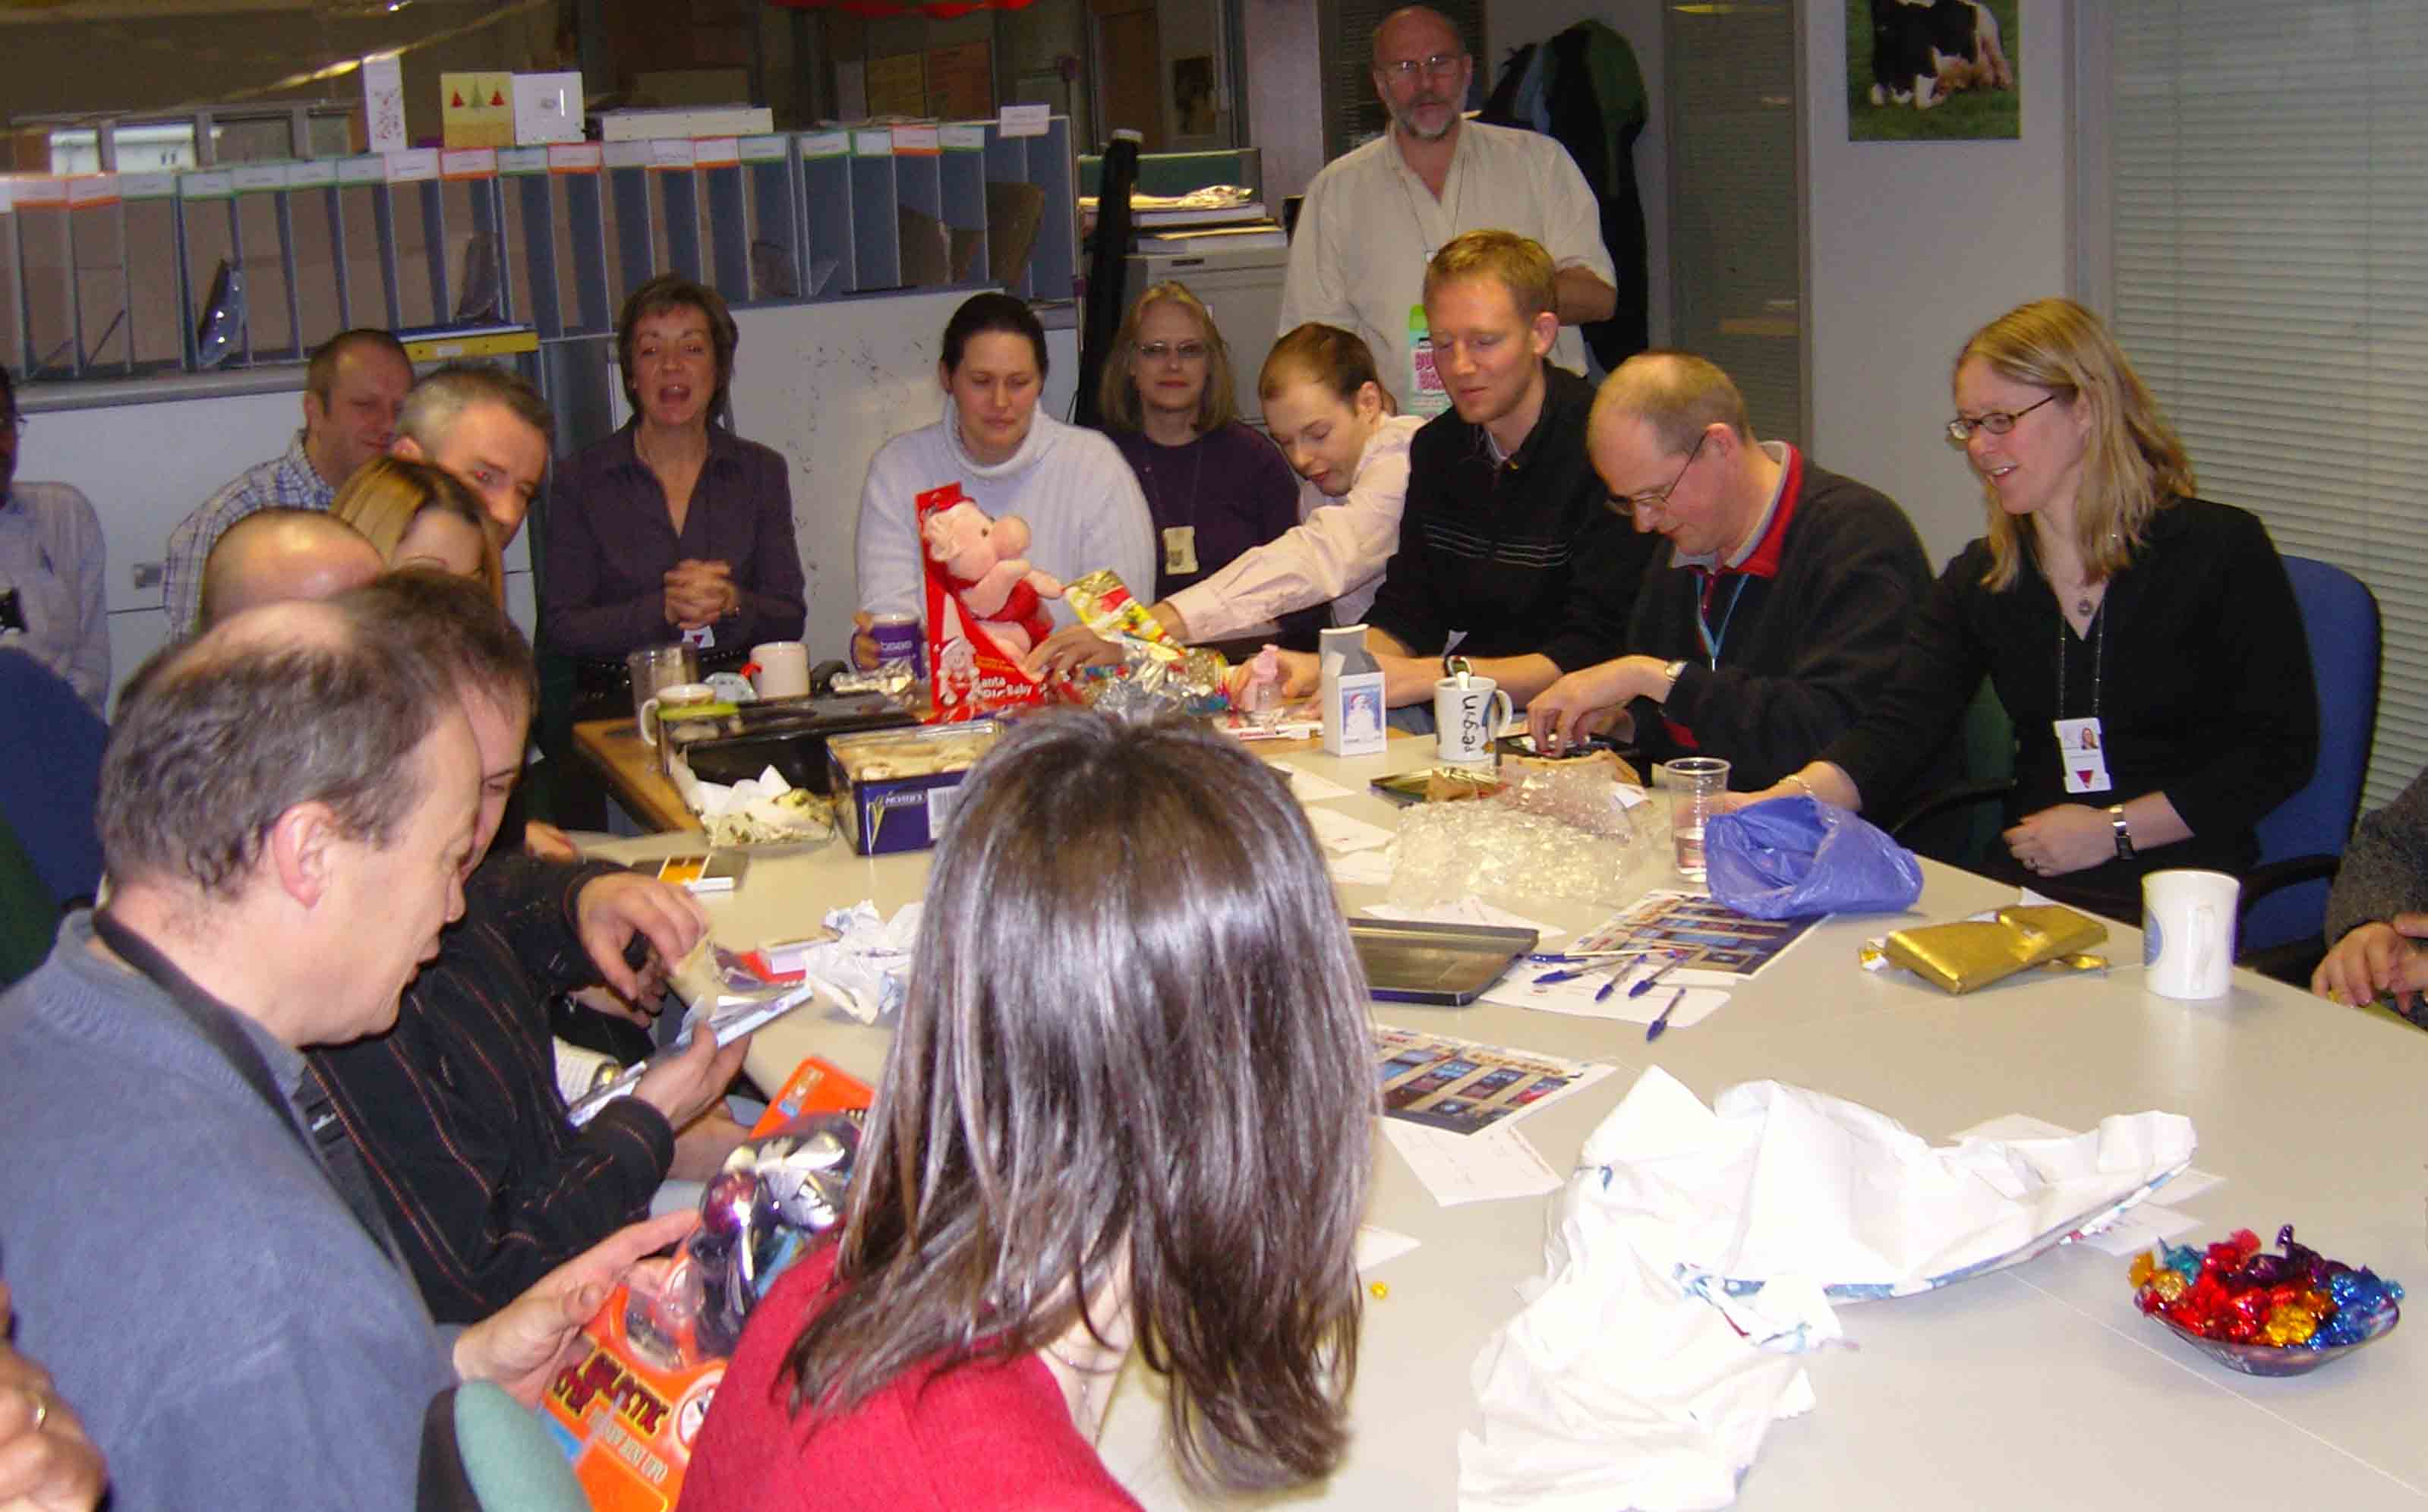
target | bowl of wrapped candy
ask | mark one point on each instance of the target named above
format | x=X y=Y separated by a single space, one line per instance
x=2262 y=1313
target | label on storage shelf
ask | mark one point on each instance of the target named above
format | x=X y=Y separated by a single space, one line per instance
x=258 y=178
x=147 y=185
x=93 y=191
x=626 y=153
x=467 y=162
x=872 y=143
x=670 y=152
x=963 y=139
x=515 y=162
x=214 y=184
x=915 y=140
x=370 y=168
x=760 y=148
x=828 y=144
x=414 y=164
x=312 y=173
x=716 y=151
x=574 y=157
x=1024 y=120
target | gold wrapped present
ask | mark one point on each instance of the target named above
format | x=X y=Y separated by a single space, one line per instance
x=1973 y=953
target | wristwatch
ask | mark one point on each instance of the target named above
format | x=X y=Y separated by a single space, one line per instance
x=1670 y=675
x=2124 y=831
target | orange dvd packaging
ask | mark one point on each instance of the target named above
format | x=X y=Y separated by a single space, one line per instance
x=628 y=1406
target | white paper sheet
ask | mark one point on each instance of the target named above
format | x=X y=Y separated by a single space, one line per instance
x=1457 y=1169
x=1337 y=832
x=1377 y=1246
x=1467 y=910
x=1576 y=999
x=2142 y=1227
x=1307 y=786
x=1361 y=869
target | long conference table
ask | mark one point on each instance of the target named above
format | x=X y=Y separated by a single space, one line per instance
x=2039 y=1385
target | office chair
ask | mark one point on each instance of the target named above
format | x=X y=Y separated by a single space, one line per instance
x=2303 y=838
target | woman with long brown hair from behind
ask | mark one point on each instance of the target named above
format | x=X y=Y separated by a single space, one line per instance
x=1129 y=1106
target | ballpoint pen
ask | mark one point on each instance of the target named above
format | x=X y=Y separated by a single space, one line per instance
x=1645 y=985
x=1618 y=974
x=1660 y=1024
x=1592 y=960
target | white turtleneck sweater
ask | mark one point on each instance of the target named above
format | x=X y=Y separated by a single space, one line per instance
x=1081 y=501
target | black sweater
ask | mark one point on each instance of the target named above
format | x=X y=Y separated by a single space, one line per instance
x=2203 y=690
x=1523 y=555
x=457 y=1110
x=1802 y=649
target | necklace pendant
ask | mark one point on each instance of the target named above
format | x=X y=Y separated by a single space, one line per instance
x=2082 y=607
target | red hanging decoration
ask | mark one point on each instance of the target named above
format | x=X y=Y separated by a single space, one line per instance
x=934 y=10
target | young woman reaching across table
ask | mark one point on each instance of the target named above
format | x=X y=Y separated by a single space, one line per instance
x=1129 y=1106
x=2145 y=641
x=1339 y=428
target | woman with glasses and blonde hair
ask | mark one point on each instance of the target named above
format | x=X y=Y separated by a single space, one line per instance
x=2144 y=641
x=1214 y=487
x=1129 y=1108
x=419 y=515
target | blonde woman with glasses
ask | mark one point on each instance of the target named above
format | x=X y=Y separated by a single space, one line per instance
x=2144 y=641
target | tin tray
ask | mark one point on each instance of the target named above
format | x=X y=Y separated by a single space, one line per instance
x=1409 y=961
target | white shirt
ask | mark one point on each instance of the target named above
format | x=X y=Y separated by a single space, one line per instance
x=1080 y=500
x=1370 y=226
x=1338 y=551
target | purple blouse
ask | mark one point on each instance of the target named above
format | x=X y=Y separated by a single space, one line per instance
x=610 y=540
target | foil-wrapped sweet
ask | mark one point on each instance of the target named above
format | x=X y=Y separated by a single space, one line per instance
x=757 y=1216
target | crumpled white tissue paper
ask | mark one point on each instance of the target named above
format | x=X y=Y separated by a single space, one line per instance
x=867 y=967
x=760 y=810
x=1696 y=1248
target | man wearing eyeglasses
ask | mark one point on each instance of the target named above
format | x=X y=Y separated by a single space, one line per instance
x=51 y=560
x=1783 y=598
x=1377 y=214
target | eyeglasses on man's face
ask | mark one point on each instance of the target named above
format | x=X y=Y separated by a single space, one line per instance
x=1440 y=66
x=1188 y=352
x=1996 y=422
x=1632 y=504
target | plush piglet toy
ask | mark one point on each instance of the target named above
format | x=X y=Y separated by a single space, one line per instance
x=985 y=563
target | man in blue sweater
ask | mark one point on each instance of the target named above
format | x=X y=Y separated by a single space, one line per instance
x=286 y=809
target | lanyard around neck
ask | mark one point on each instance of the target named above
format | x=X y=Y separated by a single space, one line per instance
x=1712 y=639
x=216 y=1023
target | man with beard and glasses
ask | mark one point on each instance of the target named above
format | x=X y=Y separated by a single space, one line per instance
x=1375 y=217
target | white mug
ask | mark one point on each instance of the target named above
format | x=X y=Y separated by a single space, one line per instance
x=2188 y=933
x=1467 y=714
x=673 y=698
x=783 y=668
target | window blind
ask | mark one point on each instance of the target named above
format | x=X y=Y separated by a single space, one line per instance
x=2269 y=203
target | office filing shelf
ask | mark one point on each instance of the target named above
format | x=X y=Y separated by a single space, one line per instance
x=108 y=274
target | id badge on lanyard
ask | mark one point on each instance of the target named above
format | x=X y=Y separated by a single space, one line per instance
x=1426 y=394
x=2082 y=751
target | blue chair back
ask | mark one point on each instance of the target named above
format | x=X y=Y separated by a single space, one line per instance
x=50 y=774
x=2339 y=620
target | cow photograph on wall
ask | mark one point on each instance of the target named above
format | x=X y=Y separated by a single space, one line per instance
x=1934 y=69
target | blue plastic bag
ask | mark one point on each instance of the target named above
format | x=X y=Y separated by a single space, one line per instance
x=1792 y=857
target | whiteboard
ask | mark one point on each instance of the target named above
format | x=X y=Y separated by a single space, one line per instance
x=825 y=385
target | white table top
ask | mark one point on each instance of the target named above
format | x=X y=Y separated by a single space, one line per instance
x=2036 y=1387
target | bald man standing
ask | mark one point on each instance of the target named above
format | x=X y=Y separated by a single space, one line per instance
x=1375 y=217
x=274 y=555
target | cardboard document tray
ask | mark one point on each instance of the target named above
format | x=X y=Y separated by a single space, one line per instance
x=1449 y=965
